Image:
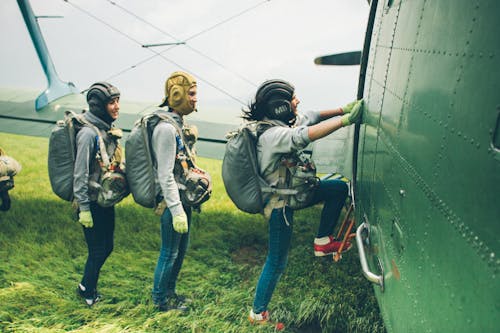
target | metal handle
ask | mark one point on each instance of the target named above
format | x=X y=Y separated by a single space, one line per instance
x=378 y=279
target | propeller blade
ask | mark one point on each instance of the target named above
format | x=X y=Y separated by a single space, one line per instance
x=340 y=59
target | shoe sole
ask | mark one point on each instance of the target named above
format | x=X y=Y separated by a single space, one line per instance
x=322 y=254
x=182 y=309
x=277 y=326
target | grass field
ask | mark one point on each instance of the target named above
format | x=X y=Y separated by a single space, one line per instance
x=42 y=253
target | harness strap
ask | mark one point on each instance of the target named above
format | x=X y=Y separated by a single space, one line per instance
x=171 y=121
x=100 y=141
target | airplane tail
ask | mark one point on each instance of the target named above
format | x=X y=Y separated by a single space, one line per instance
x=57 y=88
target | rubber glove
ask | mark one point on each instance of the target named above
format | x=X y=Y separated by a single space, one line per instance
x=348 y=108
x=180 y=223
x=86 y=219
x=355 y=114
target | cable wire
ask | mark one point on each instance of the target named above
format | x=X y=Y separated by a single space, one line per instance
x=195 y=35
x=160 y=54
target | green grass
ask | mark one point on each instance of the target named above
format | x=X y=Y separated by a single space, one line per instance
x=42 y=253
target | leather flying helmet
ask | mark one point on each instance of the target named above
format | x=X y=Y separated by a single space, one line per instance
x=176 y=92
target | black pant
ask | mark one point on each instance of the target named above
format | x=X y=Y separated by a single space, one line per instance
x=99 y=240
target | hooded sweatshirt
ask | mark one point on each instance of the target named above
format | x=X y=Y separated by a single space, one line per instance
x=280 y=140
x=87 y=169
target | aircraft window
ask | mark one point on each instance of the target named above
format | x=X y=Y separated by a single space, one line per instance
x=389 y=4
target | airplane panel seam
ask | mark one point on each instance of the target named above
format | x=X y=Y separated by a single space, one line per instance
x=483 y=250
x=452 y=130
x=444 y=53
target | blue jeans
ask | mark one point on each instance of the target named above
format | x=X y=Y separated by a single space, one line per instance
x=172 y=252
x=333 y=193
x=99 y=240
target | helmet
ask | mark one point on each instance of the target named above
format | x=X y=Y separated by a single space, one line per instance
x=176 y=89
x=98 y=96
x=275 y=97
x=103 y=91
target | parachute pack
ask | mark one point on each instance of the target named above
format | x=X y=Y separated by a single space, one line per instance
x=195 y=184
x=9 y=167
x=61 y=162
x=243 y=182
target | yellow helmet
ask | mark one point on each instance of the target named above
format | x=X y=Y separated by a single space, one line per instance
x=176 y=89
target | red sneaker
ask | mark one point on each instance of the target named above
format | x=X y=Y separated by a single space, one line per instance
x=330 y=248
x=263 y=319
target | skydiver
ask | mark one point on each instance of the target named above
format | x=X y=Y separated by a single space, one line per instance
x=175 y=215
x=98 y=222
x=276 y=102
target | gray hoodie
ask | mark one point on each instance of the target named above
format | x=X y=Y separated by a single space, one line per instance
x=87 y=168
x=280 y=140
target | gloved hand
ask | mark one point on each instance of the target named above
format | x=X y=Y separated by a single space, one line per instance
x=348 y=108
x=354 y=114
x=86 y=219
x=180 y=223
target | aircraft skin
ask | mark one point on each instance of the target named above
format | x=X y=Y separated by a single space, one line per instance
x=427 y=164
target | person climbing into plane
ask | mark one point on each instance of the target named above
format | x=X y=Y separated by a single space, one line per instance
x=175 y=214
x=284 y=134
x=97 y=219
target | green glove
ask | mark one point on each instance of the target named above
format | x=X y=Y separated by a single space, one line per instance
x=180 y=223
x=348 y=108
x=354 y=115
x=86 y=219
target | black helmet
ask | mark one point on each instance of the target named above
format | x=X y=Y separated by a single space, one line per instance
x=98 y=96
x=275 y=97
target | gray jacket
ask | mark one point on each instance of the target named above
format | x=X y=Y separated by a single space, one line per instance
x=280 y=140
x=164 y=146
x=87 y=169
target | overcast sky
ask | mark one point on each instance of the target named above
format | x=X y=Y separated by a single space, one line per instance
x=231 y=46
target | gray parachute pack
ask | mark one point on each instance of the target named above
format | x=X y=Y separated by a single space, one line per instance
x=240 y=171
x=243 y=182
x=139 y=164
x=9 y=167
x=194 y=187
x=62 y=153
